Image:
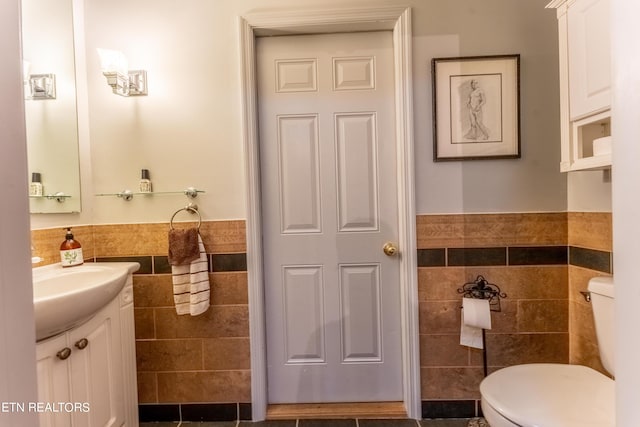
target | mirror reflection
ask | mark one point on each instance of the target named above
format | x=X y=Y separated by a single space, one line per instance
x=50 y=106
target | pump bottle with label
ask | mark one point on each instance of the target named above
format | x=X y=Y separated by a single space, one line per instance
x=70 y=251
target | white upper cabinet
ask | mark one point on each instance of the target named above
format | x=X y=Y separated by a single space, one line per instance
x=589 y=57
x=585 y=81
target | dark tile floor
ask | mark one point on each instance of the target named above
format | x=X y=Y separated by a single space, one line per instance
x=319 y=423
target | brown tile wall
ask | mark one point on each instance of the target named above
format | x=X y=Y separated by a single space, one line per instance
x=46 y=243
x=180 y=359
x=590 y=231
x=487 y=230
x=184 y=359
x=533 y=324
x=206 y=358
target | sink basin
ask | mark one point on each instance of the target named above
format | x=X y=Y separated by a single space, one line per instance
x=66 y=297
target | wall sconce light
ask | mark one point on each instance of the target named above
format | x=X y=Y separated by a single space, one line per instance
x=42 y=86
x=38 y=86
x=124 y=82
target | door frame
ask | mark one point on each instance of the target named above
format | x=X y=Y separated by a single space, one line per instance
x=324 y=21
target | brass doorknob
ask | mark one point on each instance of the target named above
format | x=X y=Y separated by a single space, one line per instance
x=389 y=249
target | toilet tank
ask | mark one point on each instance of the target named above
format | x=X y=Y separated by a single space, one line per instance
x=601 y=289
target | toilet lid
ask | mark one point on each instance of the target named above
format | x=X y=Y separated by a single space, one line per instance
x=551 y=395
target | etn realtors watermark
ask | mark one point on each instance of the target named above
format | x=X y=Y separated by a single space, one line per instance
x=38 y=407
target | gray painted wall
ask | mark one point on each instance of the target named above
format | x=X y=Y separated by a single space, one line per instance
x=468 y=28
x=192 y=113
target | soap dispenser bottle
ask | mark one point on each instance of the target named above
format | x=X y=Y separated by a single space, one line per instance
x=70 y=251
x=145 y=182
x=35 y=188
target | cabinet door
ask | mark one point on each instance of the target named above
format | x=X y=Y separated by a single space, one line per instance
x=53 y=380
x=128 y=336
x=589 y=57
x=96 y=373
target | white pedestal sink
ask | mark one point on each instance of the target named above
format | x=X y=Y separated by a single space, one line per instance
x=64 y=297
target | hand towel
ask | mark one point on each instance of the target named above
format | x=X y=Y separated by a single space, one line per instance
x=183 y=246
x=191 y=284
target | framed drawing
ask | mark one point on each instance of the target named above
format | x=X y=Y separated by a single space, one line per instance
x=476 y=107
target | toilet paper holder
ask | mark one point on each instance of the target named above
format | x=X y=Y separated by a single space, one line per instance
x=482 y=289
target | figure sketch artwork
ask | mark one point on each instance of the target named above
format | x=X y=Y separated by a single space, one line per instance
x=476 y=108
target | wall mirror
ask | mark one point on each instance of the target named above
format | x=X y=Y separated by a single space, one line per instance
x=50 y=106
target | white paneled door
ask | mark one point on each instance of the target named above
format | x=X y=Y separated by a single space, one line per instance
x=329 y=200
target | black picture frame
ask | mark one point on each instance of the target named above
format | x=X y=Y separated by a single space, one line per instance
x=476 y=107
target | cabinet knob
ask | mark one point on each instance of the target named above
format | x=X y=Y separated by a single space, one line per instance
x=64 y=353
x=81 y=344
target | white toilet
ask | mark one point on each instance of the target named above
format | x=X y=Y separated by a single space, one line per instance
x=557 y=395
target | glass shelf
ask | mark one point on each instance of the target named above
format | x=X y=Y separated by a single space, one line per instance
x=58 y=197
x=128 y=194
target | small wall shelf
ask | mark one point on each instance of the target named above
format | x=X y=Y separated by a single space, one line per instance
x=127 y=195
x=58 y=197
x=584 y=133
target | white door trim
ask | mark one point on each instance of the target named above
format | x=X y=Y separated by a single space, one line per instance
x=397 y=19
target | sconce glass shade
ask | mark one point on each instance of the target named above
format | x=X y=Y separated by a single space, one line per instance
x=123 y=82
x=113 y=61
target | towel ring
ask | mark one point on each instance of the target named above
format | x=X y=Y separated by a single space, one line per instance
x=190 y=208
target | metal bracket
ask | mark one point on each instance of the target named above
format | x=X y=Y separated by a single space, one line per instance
x=586 y=295
x=126 y=195
x=482 y=289
x=191 y=192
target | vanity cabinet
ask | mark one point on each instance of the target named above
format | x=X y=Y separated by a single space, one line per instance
x=585 y=82
x=53 y=380
x=92 y=366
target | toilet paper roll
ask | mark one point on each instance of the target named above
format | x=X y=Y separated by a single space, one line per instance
x=476 y=316
x=476 y=313
x=470 y=336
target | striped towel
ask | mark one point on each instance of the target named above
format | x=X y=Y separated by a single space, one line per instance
x=191 y=284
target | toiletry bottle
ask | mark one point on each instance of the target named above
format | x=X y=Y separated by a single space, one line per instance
x=35 y=188
x=145 y=182
x=70 y=251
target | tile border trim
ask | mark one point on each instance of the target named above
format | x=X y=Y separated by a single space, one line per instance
x=194 y=412
x=592 y=259
x=450 y=409
x=159 y=264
